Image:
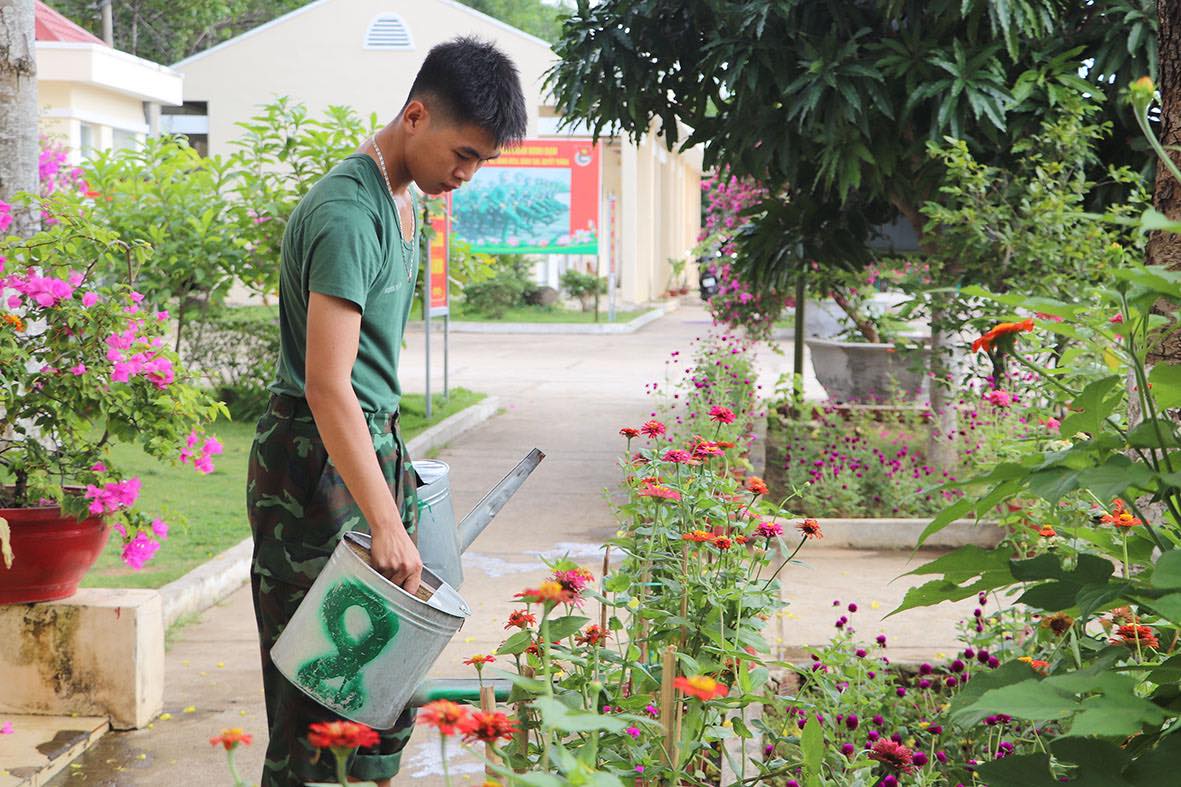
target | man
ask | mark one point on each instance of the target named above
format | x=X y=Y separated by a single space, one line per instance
x=327 y=456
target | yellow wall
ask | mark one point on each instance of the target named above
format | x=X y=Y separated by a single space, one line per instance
x=66 y=106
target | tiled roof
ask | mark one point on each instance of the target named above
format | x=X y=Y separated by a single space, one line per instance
x=52 y=26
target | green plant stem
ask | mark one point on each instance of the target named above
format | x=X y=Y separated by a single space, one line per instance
x=234 y=767
x=342 y=759
x=785 y=562
x=443 y=757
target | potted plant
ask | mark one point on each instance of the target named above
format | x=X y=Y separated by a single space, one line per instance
x=86 y=364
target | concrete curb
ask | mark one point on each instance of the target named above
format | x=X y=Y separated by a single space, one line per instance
x=217 y=578
x=900 y=533
x=631 y=326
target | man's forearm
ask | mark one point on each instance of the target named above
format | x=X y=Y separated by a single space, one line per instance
x=343 y=429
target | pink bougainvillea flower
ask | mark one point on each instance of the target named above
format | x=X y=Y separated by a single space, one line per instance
x=89 y=299
x=139 y=550
x=78 y=370
x=160 y=528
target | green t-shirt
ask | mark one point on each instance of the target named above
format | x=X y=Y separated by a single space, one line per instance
x=345 y=239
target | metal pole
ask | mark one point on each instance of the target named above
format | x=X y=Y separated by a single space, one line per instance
x=611 y=258
x=426 y=311
x=798 y=354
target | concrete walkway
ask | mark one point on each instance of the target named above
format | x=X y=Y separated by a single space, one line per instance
x=567 y=395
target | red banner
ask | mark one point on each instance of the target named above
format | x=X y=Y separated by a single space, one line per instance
x=437 y=273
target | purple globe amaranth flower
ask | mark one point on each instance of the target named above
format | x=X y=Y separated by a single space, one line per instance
x=982 y=656
x=957 y=666
x=951 y=682
x=993 y=662
x=901 y=692
x=969 y=653
x=942 y=757
x=873 y=735
x=847 y=749
x=935 y=729
x=925 y=669
x=890 y=780
x=919 y=758
x=878 y=720
x=881 y=640
x=861 y=652
x=852 y=722
x=924 y=683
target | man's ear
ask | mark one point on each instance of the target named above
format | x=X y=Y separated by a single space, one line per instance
x=415 y=116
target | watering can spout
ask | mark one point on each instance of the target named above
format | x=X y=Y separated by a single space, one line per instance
x=474 y=523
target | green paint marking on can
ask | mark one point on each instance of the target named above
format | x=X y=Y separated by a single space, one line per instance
x=352 y=654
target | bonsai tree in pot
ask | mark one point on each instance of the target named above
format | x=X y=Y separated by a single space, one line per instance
x=86 y=364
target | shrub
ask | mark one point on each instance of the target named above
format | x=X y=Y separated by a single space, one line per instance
x=506 y=289
x=234 y=350
x=583 y=286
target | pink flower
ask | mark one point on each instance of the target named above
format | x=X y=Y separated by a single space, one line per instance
x=75 y=279
x=162 y=315
x=678 y=456
x=98 y=467
x=1116 y=319
x=1051 y=424
x=89 y=299
x=999 y=398
x=160 y=528
x=723 y=415
x=78 y=370
x=660 y=492
x=139 y=550
x=633 y=731
x=14 y=301
x=769 y=530
x=113 y=496
x=6 y=727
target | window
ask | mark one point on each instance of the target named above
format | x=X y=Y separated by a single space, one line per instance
x=122 y=138
x=388 y=32
x=87 y=139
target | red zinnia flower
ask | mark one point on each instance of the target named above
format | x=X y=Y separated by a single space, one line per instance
x=1131 y=634
x=810 y=528
x=521 y=619
x=652 y=429
x=893 y=755
x=679 y=456
x=1047 y=532
x=700 y=536
x=723 y=415
x=629 y=432
x=479 y=660
x=341 y=735
x=231 y=738
x=448 y=716
x=998 y=334
x=487 y=727
x=592 y=636
x=722 y=542
x=756 y=485
x=702 y=687
x=703 y=448
x=724 y=444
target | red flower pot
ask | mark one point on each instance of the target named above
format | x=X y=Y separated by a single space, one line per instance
x=51 y=553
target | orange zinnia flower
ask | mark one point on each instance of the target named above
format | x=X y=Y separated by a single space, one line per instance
x=1120 y=516
x=341 y=735
x=448 y=716
x=990 y=339
x=756 y=485
x=592 y=636
x=700 y=536
x=1047 y=532
x=231 y=738
x=546 y=592
x=17 y=323
x=629 y=432
x=810 y=528
x=702 y=687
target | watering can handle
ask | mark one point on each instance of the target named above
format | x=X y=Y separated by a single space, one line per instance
x=474 y=523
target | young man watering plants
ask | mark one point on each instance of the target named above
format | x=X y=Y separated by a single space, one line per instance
x=328 y=456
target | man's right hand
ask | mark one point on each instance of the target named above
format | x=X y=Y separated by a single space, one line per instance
x=395 y=557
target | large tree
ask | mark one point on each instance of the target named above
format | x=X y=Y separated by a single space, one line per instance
x=831 y=103
x=1164 y=248
x=18 y=107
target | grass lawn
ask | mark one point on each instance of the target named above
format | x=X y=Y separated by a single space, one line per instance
x=532 y=314
x=207 y=514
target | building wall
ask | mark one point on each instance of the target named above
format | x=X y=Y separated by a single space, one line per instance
x=277 y=61
x=76 y=114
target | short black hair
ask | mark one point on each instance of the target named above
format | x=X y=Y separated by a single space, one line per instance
x=469 y=80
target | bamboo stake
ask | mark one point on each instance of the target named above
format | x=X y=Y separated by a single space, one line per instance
x=521 y=738
x=488 y=705
x=668 y=713
x=603 y=606
x=684 y=594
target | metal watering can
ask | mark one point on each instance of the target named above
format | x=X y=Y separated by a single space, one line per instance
x=359 y=644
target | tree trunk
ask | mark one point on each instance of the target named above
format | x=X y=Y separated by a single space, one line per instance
x=1164 y=248
x=18 y=109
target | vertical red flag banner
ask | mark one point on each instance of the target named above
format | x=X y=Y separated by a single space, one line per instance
x=541 y=197
x=440 y=245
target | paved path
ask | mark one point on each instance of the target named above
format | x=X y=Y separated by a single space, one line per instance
x=567 y=395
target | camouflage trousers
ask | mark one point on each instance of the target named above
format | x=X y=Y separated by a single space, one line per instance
x=299 y=509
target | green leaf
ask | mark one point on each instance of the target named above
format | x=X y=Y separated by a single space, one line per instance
x=560 y=628
x=812 y=749
x=1097 y=401
x=1166 y=385
x=1154 y=433
x=1168 y=607
x=957 y=510
x=1114 y=477
x=1032 y=699
x=1007 y=674
x=1023 y=770
x=556 y=715
x=1167 y=571
x=617 y=582
x=516 y=644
